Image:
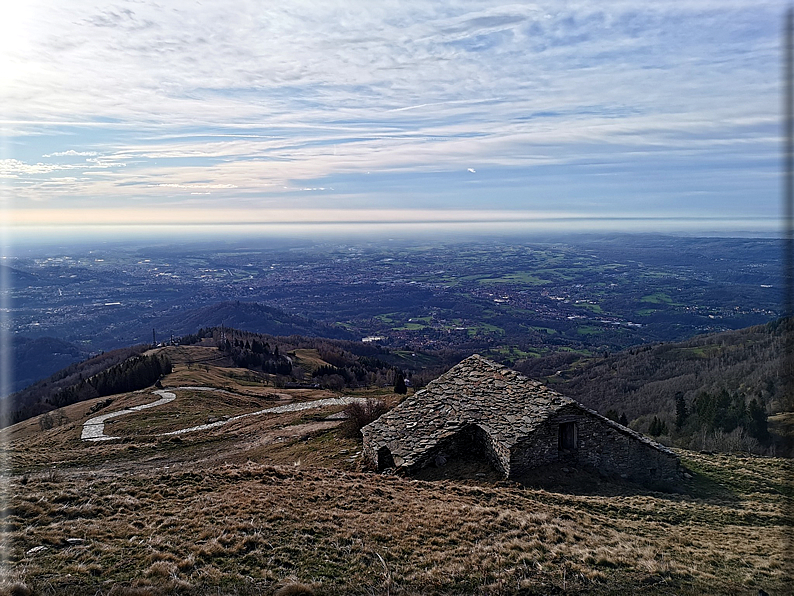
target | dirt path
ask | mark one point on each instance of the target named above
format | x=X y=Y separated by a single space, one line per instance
x=94 y=428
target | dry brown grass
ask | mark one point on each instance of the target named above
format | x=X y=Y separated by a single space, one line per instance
x=192 y=408
x=309 y=359
x=295 y=589
x=278 y=501
x=14 y=589
x=251 y=526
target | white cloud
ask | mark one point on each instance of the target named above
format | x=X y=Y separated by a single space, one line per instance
x=15 y=167
x=70 y=153
x=148 y=64
x=21 y=168
x=255 y=97
x=189 y=186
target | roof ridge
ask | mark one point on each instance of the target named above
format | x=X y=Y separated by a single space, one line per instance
x=483 y=360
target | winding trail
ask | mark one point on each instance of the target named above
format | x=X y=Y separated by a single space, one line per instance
x=94 y=428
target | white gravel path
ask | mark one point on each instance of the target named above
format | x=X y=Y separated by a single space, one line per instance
x=306 y=405
x=94 y=428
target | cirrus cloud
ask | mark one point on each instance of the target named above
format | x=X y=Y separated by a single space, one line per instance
x=619 y=103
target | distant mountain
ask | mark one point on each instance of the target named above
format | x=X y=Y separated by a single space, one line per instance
x=110 y=330
x=34 y=359
x=246 y=316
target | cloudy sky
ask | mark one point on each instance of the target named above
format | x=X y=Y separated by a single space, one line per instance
x=243 y=111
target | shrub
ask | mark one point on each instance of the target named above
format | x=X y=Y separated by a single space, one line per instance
x=737 y=441
x=361 y=413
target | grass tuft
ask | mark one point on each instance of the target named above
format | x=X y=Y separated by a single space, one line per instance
x=16 y=589
x=296 y=589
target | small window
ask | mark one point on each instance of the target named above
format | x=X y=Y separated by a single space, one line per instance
x=385 y=459
x=567 y=437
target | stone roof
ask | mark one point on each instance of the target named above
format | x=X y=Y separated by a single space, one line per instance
x=507 y=405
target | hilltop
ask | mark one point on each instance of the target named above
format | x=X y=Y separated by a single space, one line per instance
x=261 y=496
x=250 y=316
x=37 y=357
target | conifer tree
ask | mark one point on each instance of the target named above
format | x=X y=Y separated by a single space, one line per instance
x=757 y=424
x=399 y=383
x=680 y=410
x=655 y=429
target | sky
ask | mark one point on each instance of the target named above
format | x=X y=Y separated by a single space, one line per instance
x=242 y=112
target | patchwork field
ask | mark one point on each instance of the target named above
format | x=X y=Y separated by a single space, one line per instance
x=253 y=505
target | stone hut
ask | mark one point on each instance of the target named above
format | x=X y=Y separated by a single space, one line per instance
x=483 y=409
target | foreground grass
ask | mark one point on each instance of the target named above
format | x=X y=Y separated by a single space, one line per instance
x=248 y=528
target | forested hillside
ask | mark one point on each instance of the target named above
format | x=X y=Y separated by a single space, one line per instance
x=37 y=398
x=134 y=373
x=334 y=363
x=698 y=393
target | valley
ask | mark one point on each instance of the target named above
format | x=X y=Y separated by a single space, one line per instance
x=514 y=298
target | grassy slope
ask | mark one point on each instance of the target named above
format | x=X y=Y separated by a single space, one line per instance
x=243 y=510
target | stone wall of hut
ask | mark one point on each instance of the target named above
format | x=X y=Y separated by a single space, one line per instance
x=600 y=446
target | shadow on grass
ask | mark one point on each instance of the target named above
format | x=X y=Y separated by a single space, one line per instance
x=727 y=477
x=579 y=481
